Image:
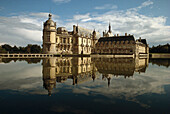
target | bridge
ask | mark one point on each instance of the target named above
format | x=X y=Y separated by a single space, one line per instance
x=26 y=55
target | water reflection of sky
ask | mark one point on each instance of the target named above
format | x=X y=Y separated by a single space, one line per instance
x=146 y=91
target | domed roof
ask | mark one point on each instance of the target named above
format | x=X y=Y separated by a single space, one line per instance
x=49 y=21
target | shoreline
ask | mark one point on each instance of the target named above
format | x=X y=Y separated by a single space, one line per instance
x=151 y=55
x=159 y=55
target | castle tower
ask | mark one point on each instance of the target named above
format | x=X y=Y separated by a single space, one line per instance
x=94 y=41
x=49 y=36
x=109 y=33
x=49 y=74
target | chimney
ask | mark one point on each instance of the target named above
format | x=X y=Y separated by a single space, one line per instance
x=117 y=34
x=103 y=33
x=129 y=34
x=125 y=34
x=114 y=34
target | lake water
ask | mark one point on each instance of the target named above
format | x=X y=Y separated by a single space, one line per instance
x=85 y=85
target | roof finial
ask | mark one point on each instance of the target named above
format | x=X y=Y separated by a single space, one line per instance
x=50 y=15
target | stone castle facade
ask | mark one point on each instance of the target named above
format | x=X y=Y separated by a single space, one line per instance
x=83 y=69
x=61 y=41
x=83 y=41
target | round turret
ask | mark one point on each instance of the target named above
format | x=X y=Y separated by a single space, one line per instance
x=49 y=36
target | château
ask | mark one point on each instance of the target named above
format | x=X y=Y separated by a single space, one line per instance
x=83 y=41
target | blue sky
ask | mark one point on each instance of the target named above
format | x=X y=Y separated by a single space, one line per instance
x=21 y=20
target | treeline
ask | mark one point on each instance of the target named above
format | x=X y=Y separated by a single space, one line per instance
x=160 y=49
x=6 y=48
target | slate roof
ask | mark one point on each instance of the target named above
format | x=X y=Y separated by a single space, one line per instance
x=143 y=41
x=117 y=38
x=87 y=32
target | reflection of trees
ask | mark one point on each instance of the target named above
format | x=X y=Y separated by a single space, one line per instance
x=160 y=62
x=28 y=60
x=6 y=60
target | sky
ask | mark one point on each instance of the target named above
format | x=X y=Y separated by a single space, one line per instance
x=21 y=21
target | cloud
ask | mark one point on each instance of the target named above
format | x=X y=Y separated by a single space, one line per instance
x=147 y=3
x=23 y=29
x=144 y=4
x=106 y=6
x=130 y=21
x=43 y=15
x=80 y=17
x=61 y=1
x=27 y=28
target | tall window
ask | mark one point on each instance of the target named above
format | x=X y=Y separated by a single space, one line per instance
x=48 y=36
x=48 y=39
x=48 y=47
x=68 y=40
x=64 y=40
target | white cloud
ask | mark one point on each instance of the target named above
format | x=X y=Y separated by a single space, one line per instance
x=144 y=4
x=23 y=29
x=154 y=29
x=61 y=1
x=43 y=15
x=82 y=18
x=147 y=3
x=106 y=6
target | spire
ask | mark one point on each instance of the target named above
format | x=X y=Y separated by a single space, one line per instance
x=94 y=34
x=110 y=28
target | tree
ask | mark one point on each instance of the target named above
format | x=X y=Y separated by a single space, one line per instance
x=15 y=49
x=2 y=50
x=160 y=49
x=28 y=49
x=35 y=49
x=7 y=47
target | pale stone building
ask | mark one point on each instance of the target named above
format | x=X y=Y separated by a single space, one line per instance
x=83 y=41
x=60 y=41
x=83 y=69
x=121 y=45
x=60 y=69
x=49 y=34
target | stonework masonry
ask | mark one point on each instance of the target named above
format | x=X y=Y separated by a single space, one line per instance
x=83 y=69
x=83 y=41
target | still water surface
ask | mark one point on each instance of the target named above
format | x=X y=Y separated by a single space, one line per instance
x=84 y=85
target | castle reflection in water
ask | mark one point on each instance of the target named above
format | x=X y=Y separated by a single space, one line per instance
x=83 y=69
